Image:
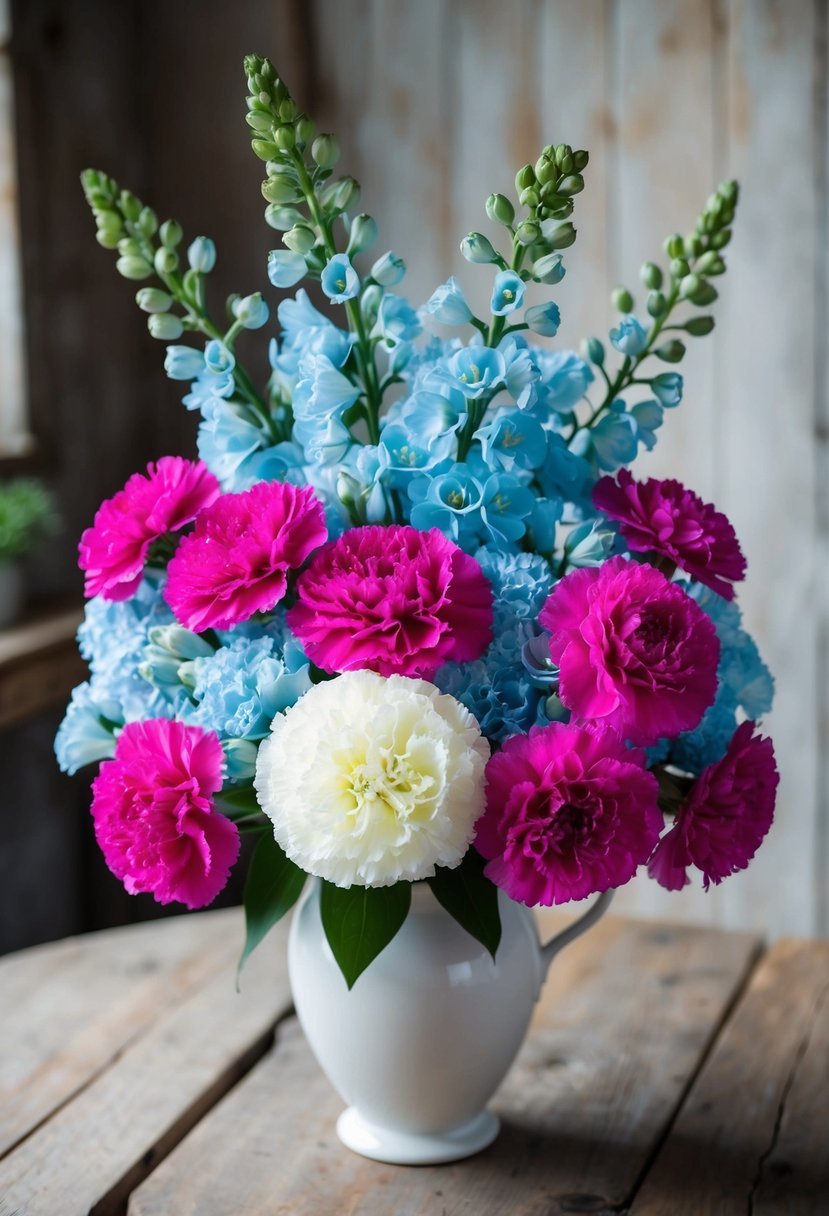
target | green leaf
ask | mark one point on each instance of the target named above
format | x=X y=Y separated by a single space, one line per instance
x=273 y=886
x=359 y=922
x=235 y=798
x=470 y=898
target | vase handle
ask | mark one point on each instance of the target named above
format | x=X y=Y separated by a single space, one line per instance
x=594 y=913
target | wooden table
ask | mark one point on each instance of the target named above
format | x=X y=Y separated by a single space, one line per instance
x=668 y=1071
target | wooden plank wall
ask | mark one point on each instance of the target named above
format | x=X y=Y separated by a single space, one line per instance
x=436 y=104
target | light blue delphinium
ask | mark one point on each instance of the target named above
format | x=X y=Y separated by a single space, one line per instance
x=543 y=319
x=612 y=442
x=451 y=502
x=629 y=337
x=567 y=477
x=521 y=374
x=228 y=443
x=448 y=305
x=339 y=279
x=286 y=268
x=388 y=270
x=83 y=738
x=419 y=434
x=507 y=293
x=506 y=508
x=648 y=416
x=183 y=362
x=476 y=370
x=397 y=326
x=513 y=438
x=251 y=311
x=563 y=381
x=201 y=255
x=667 y=388
x=321 y=397
x=589 y=544
x=240 y=688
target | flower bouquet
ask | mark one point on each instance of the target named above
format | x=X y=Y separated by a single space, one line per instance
x=409 y=620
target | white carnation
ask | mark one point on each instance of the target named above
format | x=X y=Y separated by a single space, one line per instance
x=369 y=779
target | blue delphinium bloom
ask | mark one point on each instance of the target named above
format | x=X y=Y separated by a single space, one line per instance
x=448 y=305
x=629 y=337
x=286 y=268
x=612 y=442
x=506 y=508
x=251 y=311
x=228 y=442
x=201 y=255
x=513 y=439
x=507 y=293
x=388 y=270
x=241 y=687
x=183 y=362
x=567 y=477
x=564 y=379
x=305 y=331
x=340 y=280
x=321 y=397
x=667 y=388
x=543 y=319
x=521 y=582
x=543 y=523
x=83 y=738
x=397 y=326
x=418 y=434
x=521 y=374
x=589 y=543
x=476 y=370
x=648 y=416
x=215 y=380
x=279 y=462
x=451 y=502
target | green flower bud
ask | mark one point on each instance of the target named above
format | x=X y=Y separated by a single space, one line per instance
x=561 y=237
x=693 y=246
x=566 y=164
x=301 y=238
x=361 y=234
x=705 y=295
x=304 y=129
x=690 y=284
x=548 y=269
x=153 y=299
x=545 y=170
x=129 y=247
x=170 y=233
x=165 y=327
x=265 y=149
x=260 y=121
x=674 y=245
x=108 y=220
x=656 y=303
x=499 y=209
x=326 y=151
x=166 y=261
x=341 y=194
x=109 y=240
x=285 y=138
x=130 y=205
x=671 y=352
x=572 y=184
x=717 y=266
x=527 y=232
x=699 y=327
x=148 y=221
x=134 y=267
x=282 y=218
x=524 y=177
x=580 y=159
x=729 y=191
x=720 y=239
x=621 y=299
x=593 y=351
x=287 y=110
x=476 y=248
x=651 y=275
x=707 y=260
x=529 y=197
x=281 y=189
x=679 y=268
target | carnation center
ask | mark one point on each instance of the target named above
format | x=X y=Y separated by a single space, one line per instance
x=390 y=785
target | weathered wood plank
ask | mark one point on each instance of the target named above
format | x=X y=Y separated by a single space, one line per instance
x=99 y=1146
x=622 y=1024
x=754 y=1133
x=72 y=1007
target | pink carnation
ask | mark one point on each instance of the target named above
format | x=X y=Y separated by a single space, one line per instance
x=113 y=551
x=665 y=518
x=154 y=818
x=635 y=651
x=570 y=811
x=393 y=600
x=236 y=560
x=725 y=817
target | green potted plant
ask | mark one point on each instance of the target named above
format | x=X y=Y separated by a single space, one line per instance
x=27 y=516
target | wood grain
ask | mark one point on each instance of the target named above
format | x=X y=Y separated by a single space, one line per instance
x=623 y=1022
x=98 y=1146
x=754 y=1133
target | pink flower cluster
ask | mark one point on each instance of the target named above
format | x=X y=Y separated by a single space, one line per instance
x=236 y=560
x=635 y=652
x=114 y=550
x=392 y=600
x=570 y=811
x=725 y=817
x=154 y=817
x=663 y=517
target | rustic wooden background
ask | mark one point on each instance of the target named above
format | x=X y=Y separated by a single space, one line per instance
x=436 y=104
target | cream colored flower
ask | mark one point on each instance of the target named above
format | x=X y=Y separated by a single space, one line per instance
x=369 y=779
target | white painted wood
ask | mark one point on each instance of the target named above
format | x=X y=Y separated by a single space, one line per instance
x=14 y=436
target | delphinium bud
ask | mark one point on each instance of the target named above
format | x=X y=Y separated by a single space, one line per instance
x=326 y=151
x=622 y=300
x=499 y=209
x=476 y=248
x=361 y=234
x=165 y=327
x=153 y=300
x=201 y=255
x=301 y=238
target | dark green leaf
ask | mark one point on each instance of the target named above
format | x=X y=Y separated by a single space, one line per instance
x=361 y=921
x=236 y=798
x=470 y=898
x=273 y=886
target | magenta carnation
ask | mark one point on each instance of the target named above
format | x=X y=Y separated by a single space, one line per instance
x=393 y=600
x=570 y=811
x=154 y=818
x=663 y=517
x=634 y=650
x=236 y=560
x=113 y=551
x=725 y=817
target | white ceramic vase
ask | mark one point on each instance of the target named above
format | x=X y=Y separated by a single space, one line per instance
x=428 y=1032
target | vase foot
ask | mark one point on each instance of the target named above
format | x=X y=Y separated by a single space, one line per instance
x=411 y=1148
